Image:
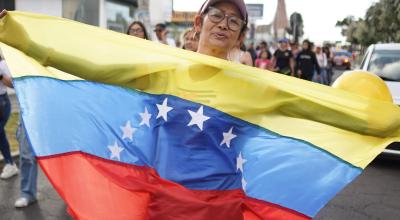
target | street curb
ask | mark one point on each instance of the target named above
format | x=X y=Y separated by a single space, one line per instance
x=14 y=155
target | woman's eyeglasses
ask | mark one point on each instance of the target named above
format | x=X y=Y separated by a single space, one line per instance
x=217 y=15
x=136 y=31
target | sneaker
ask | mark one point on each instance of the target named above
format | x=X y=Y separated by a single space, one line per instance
x=9 y=170
x=21 y=202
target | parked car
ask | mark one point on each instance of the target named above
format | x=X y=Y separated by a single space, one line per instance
x=342 y=58
x=384 y=61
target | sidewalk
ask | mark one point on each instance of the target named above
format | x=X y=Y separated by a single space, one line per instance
x=49 y=206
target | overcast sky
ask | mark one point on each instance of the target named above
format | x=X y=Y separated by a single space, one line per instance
x=319 y=16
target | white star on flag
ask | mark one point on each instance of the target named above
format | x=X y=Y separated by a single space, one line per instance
x=128 y=131
x=198 y=118
x=239 y=162
x=244 y=184
x=145 y=118
x=163 y=109
x=115 y=151
x=228 y=136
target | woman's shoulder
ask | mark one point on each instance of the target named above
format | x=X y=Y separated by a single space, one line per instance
x=246 y=58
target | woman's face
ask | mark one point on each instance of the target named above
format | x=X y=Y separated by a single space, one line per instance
x=219 y=29
x=264 y=55
x=306 y=45
x=284 y=45
x=190 y=41
x=136 y=31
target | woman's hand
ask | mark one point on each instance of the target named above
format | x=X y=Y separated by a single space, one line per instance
x=3 y=13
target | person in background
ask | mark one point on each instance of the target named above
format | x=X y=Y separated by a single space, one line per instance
x=252 y=52
x=329 y=56
x=264 y=47
x=263 y=62
x=10 y=169
x=238 y=54
x=137 y=29
x=161 y=32
x=29 y=170
x=306 y=62
x=190 y=40
x=323 y=64
x=273 y=48
x=294 y=47
x=283 y=61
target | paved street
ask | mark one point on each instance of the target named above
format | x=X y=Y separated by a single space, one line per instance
x=49 y=205
x=372 y=196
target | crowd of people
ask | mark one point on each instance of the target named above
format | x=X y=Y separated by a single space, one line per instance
x=309 y=62
x=219 y=30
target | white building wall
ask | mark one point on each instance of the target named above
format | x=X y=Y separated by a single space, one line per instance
x=49 y=7
x=102 y=14
x=160 y=11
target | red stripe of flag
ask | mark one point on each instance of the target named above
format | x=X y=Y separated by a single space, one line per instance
x=95 y=188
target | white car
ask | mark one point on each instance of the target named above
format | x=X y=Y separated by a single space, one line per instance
x=384 y=61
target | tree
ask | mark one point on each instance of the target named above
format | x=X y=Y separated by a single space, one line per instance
x=296 y=26
x=385 y=18
x=362 y=34
x=345 y=23
x=381 y=24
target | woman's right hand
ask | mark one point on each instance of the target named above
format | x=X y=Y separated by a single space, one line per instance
x=3 y=13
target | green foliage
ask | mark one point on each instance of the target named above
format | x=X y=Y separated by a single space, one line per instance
x=345 y=23
x=380 y=24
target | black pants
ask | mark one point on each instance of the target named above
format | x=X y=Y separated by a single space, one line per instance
x=5 y=110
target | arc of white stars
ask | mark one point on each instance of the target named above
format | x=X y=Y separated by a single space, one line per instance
x=228 y=136
x=239 y=162
x=145 y=118
x=198 y=118
x=115 y=151
x=128 y=131
x=163 y=109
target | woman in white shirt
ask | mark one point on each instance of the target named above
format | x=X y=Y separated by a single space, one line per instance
x=323 y=64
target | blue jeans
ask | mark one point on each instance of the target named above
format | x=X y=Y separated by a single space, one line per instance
x=28 y=166
x=323 y=76
x=5 y=110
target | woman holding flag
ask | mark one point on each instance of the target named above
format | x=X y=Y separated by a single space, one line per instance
x=221 y=24
x=256 y=157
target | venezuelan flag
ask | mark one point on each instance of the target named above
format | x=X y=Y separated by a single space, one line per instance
x=130 y=129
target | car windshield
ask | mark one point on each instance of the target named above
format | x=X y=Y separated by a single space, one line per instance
x=386 y=64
